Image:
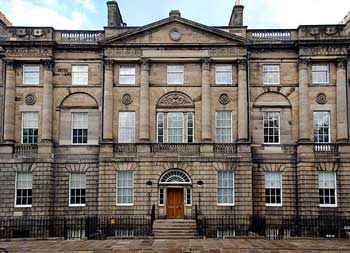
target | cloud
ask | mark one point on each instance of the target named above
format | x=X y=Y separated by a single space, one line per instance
x=87 y=4
x=34 y=13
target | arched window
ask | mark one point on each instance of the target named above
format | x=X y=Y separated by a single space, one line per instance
x=175 y=177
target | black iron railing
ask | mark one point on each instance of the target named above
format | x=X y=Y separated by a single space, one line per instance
x=275 y=227
x=96 y=227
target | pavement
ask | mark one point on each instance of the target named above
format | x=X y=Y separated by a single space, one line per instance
x=175 y=246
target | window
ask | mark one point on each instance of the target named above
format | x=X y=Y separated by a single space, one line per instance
x=273 y=189
x=188 y=197
x=190 y=127
x=125 y=189
x=321 y=127
x=327 y=189
x=79 y=127
x=225 y=191
x=320 y=73
x=31 y=74
x=30 y=128
x=271 y=74
x=126 y=132
x=161 y=196
x=77 y=189
x=223 y=127
x=175 y=74
x=80 y=75
x=127 y=74
x=24 y=184
x=175 y=127
x=160 y=127
x=223 y=74
x=271 y=127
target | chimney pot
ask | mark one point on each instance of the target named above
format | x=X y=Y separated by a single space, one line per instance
x=175 y=13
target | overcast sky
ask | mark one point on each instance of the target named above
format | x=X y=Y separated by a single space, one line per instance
x=92 y=14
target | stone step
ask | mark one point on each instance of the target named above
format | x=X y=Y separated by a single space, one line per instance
x=175 y=229
x=176 y=237
x=174 y=226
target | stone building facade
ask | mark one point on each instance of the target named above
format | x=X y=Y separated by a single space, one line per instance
x=174 y=114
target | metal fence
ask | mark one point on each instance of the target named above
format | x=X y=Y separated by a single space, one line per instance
x=97 y=227
x=274 y=227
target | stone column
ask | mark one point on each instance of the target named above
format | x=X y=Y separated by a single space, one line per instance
x=342 y=124
x=47 y=102
x=10 y=94
x=144 y=102
x=304 y=111
x=242 y=101
x=206 y=106
x=108 y=102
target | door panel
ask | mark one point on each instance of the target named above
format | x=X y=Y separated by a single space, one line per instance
x=175 y=203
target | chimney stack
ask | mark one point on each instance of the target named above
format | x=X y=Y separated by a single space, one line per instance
x=237 y=14
x=114 y=16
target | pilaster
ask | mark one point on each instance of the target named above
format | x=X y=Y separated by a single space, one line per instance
x=342 y=124
x=206 y=106
x=144 y=102
x=47 y=111
x=304 y=111
x=108 y=102
x=242 y=101
x=10 y=94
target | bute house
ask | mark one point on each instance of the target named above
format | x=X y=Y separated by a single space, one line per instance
x=175 y=119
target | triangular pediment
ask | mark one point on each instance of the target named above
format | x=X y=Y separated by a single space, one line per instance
x=174 y=30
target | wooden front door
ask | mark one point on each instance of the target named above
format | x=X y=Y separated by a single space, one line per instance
x=175 y=203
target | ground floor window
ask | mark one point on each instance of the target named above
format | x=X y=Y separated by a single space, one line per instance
x=24 y=184
x=225 y=188
x=328 y=189
x=125 y=188
x=273 y=189
x=77 y=189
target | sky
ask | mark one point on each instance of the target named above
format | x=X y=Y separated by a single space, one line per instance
x=92 y=14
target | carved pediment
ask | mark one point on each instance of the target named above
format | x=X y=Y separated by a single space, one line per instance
x=175 y=99
x=174 y=30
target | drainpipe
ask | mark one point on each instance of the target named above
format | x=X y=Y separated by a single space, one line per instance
x=3 y=74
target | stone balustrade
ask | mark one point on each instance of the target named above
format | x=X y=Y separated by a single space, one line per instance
x=326 y=149
x=226 y=148
x=125 y=148
x=175 y=148
x=79 y=36
x=24 y=150
x=272 y=35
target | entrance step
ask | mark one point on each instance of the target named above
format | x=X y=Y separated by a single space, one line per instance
x=175 y=229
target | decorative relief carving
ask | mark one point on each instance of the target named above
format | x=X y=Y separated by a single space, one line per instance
x=109 y=64
x=332 y=31
x=324 y=51
x=36 y=52
x=31 y=33
x=225 y=166
x=144 y=64
x=48 y=64
x=341 y=63
x=175 y=34
x=10 y=63
x=327 y=166
x=291 y=90
x=30 y=99
x=123 y=52
x=224 y=99
x=24 y=167
x=321 y=98
x=242 y=64
x=228 y=51
x=78 y=167
x=129 y=166
x=272 y=167
x=303 y=63
x=206 y=64
x=127 y=99
x=175 y=99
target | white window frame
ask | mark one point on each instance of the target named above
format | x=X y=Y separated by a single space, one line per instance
x=223 y=71
x=169 y=72
x=279 y=128
x=233 y=188
x=72 y=128
x=267 y=72
x=133 y=188
x=76 y=75
x=335 y=188
x=183 y=126
x=164 y=196
x=133 y=75
x=70 y=188
x=37 y=127
x=25 y=82
x=314 y=72
x=329 y=125
x=16 y=188
x=185 y=198
x=187 y=127
x=280 y=188
x=216 y=127
x=122 y=128
x=160 y=117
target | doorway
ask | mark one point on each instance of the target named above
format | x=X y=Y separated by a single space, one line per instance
x=175 y=203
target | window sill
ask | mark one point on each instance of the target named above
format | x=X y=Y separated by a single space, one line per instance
x=329 y=206
x=273 y=205
x=225 y=205
x=23 y=206
x=125 y=204
x=78 y=205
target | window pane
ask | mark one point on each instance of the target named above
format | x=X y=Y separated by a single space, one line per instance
x=271 y=127
x=225 y=187
x=327 y=188
x=223 y=127
x=31 y=74
x=126 y=132
x=80 y=74
x=190 y=127
x=30 y=127
x=160 y=127
x=271 y=74
x=175 y=127
x=223 y=74
x=321 y=127
x=125 y=187
x=273 y=185
x=24 y=183
x=320 y=74
x=175 y=74
x=127 y=74
x=80 y=127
